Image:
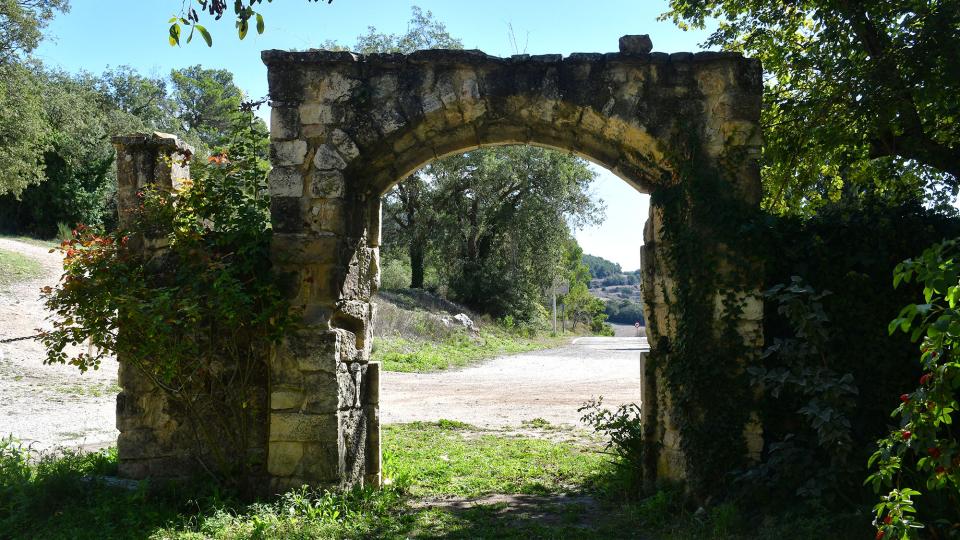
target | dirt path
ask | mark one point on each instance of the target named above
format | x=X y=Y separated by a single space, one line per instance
x=47 y=405
x=56 y=405
x=510 y=390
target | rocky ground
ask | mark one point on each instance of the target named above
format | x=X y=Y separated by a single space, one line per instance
x=56 y=405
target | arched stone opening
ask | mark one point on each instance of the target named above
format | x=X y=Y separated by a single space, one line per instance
x=345 y=128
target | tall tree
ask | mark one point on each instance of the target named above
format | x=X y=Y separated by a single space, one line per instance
x=23 y=129
x=207 y=102
x=503 y=221
x=861 y=95
x=22 y=23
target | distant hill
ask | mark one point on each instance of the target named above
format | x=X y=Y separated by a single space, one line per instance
x=619 y=290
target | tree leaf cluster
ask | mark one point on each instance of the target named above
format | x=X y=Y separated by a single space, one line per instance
x=860 y=95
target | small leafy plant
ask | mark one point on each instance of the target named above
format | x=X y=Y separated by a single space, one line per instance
x=814 y=457
x=624 y=427
x=923 y=449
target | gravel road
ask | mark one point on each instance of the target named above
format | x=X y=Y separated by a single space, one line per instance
x=509 y=390
x=44 y=405
x=50 y=406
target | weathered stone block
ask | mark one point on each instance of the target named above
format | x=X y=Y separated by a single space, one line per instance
x=286 y=153
x=327 y=159
x=285 y=182
x=284 y=123
x=286 y=214
x=329 y=184
x=636 y=44
x=286 y=399
x=297 y=427
x=283 y=458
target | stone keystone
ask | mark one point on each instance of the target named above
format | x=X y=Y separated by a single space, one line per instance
x=638 y=44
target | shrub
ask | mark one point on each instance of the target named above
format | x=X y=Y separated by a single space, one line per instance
x=923 y=450
x=196 y=317
x=624 y=428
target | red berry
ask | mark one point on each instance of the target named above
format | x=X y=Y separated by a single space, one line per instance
x=940 y=470
x=934 y=452
x=880 y=534
x=926 y=378
x=904 y=397
x=887 y=520
x=906 y=434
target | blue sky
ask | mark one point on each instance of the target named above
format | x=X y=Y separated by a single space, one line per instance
x=101 y=33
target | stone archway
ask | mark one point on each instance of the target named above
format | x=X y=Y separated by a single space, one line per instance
x=346 y=127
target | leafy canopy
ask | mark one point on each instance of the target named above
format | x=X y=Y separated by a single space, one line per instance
x=861 y=95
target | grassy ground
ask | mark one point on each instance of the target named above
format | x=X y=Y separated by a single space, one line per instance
x=402 y=354
x=15 y=267
x=430 y=468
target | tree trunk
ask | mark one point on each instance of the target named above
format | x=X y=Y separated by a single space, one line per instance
x=416 y=263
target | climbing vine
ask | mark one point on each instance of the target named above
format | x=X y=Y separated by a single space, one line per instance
x=700 y=353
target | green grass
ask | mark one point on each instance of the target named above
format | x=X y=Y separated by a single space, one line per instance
x=15 y=267
x=400 y=354
x=53 y=496
x=452 y=458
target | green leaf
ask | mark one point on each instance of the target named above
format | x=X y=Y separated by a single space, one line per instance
x=174 y=35
x=242 y=27
x=260 y=25
x=205 y=35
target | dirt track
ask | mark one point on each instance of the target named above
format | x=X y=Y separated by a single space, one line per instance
x=56 y=405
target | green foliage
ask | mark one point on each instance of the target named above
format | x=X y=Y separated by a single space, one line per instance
x=197 y=315
x=861 y=96
x=207 y=102
x=395 y=274
x=600 y=267
x=189 y=18
x=797 y=375
x=624 y=312
x=924 y=449
x=624 y=429
x=505 y=220
x=22 y=23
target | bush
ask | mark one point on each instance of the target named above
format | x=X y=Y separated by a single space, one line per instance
x=624 y=428
x=197 y=316
x=395 y=274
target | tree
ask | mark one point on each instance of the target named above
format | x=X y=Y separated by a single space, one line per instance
x=861 y=95
x=22 y=23
x=23 y=129
x=503 y=220
x=207 y=102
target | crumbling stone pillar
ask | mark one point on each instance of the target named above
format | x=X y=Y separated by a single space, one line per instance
x=324 y=391
x=154 y=440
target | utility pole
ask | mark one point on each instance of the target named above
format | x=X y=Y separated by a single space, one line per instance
x=554 y=295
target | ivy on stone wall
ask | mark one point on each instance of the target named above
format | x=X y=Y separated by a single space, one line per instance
x=702 y=363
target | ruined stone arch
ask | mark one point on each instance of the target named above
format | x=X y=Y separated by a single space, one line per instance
x=346 y=127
